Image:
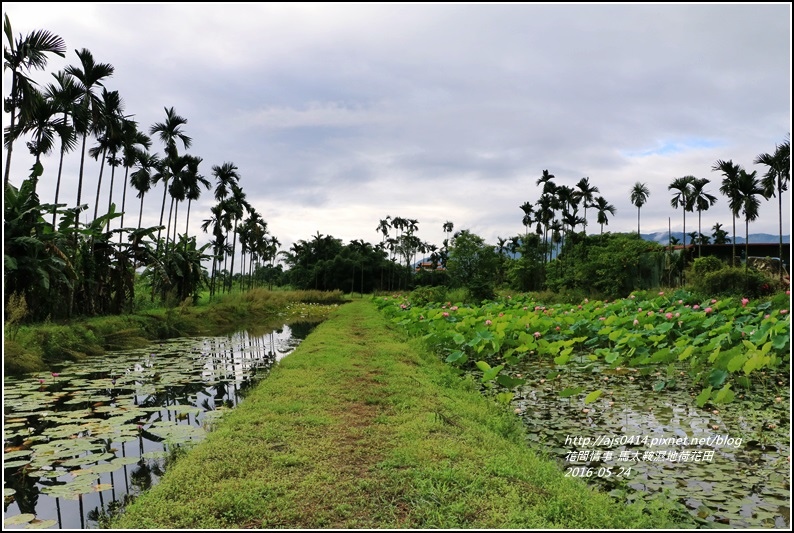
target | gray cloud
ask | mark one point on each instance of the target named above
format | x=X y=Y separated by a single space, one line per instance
x=338 y=114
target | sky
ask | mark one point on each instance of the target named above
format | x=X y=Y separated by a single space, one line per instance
x=338 y=115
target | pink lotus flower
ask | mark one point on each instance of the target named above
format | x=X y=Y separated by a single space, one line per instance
x=636 y=321
x=745 y=301
x=55 y=374
x=783 y=311
x=453 y=308
x=650 y=313
x=488 y=322
x=537 y=334
x=631 y=297
x=445 y=314
x=501 y=314
x=661 y=293
x=668 y=316
x=696 y=306
x=421 y=317
x=713 y=301
x=708 y=310
x=766 y=316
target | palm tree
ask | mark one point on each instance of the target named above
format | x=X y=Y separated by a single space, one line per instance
x=43 y=120
x=585 y=195
x=146 y=175
x=26 y=53
x=639 y=195
x=775 y=181
x=193 y=183
x=132 y=140
x=88 y=76
x=66 y=96
x=109 y=126
x=701 y=200
x=681 y=198
x=603 y=208
x=720 y=236
x=526 y=220
x=169 y=132
x=730 y=189
x=750 y=188
x=235 y=205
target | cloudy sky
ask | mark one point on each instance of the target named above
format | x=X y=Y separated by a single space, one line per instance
x=338 y=115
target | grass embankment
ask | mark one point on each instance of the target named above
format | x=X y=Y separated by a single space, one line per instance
x=361 y=429
x=36 y=347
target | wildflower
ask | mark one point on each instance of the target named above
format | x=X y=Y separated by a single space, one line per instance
x=745 y=301
x=488 y=322
x=537 y=334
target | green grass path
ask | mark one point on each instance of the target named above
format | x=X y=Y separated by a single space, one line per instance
x=361 y=428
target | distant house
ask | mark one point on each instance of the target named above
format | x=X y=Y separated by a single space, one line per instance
x=428 y=266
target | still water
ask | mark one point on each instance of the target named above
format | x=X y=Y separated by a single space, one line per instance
x=80 y=441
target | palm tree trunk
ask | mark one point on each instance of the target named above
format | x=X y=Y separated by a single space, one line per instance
x=99 y=184
x=124 y=198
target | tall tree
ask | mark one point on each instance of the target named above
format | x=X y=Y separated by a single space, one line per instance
x=730 y=189
x=719 y=235
x=134 y=143
x=750 y=189
x=20 y=56
x=603 y=208
x=775 y=181
x=44 y=122
x=66 y=95
x=584 y=192
x=145 y=176
x=683 y=188
x=639 y=195
x=88 y=77
x=701 y=201
x=169 y=132
x=109 y=127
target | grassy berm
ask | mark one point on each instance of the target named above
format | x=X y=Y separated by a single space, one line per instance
x=362 y=428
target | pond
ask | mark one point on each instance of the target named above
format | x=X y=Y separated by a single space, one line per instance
x=644 y=435
x=81 y=441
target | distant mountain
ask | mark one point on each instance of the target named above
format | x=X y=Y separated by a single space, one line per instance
x=663 y=237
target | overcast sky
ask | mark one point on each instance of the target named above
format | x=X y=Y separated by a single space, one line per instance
x=338 y=115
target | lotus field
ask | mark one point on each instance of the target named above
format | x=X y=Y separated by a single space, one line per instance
x=722 y=346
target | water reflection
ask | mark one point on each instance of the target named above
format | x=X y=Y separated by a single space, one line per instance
x=741 y=478
x=80 y=441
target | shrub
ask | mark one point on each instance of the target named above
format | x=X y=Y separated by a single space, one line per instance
x=733 y=281
x=703 y=265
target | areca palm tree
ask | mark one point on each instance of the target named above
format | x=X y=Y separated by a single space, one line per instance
x=730 y=188
x=146 y=175
x=719 y=235
x=639 y=195
x=775 y=181
x=20 y=56
x=749 y=188
x=701 y=201
x=88 y=76
x=66 y=95
x=193 y=184
x=44 y=122
x=134 y=143
x=683 y=186
x=584 y=192
x=109 y=127
x=603 y=208
x=169 y=132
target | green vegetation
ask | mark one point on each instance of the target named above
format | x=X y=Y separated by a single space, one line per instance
x=37 y=347
x=360 y=429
